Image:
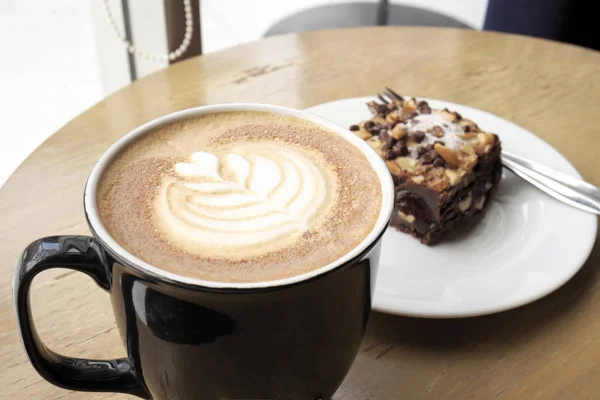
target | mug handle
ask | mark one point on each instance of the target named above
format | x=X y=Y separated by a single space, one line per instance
x=83 y=254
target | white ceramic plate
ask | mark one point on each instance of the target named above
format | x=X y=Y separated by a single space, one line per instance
x=523 y=247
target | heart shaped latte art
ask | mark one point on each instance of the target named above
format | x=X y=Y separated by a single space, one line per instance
x=250 y=198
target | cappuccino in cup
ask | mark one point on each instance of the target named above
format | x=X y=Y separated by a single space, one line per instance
x=239 y=196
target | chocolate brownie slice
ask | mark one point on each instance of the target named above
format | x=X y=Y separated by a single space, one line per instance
x=444 y=166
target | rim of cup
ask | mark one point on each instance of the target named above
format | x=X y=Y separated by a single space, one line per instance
x=126 y=258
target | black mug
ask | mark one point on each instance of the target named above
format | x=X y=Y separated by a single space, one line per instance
x=293 y=338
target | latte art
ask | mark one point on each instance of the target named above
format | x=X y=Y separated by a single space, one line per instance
x=252 y=198
x=239 y=196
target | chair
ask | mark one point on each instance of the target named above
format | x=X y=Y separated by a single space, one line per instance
x=361 y=14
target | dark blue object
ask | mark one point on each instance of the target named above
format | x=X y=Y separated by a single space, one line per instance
x=571 y=21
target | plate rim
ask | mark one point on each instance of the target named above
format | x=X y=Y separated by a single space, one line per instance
x=578 y=264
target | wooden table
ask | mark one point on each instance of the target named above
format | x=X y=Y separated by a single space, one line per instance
x=547 y=350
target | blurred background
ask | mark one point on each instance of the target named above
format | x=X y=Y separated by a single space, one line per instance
x=59 y=57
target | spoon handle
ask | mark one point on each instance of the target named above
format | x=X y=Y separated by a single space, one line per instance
x=563 y=187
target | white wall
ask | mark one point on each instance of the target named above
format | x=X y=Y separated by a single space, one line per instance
x=48 y=72
x=471 y=12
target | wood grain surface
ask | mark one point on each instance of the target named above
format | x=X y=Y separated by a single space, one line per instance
x=546 y=350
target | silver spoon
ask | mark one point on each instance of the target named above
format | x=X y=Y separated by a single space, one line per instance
x=572 y=191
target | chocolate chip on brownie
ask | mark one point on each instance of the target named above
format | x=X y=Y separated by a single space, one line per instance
x=423 y=108
x=428 y=157
x=418 y=136
x=437 y=131
x=439 y=162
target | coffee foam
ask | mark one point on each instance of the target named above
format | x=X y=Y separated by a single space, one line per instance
x=239 y=197
x=251 y=200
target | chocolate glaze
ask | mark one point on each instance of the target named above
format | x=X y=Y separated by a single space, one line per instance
x=436 y=213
